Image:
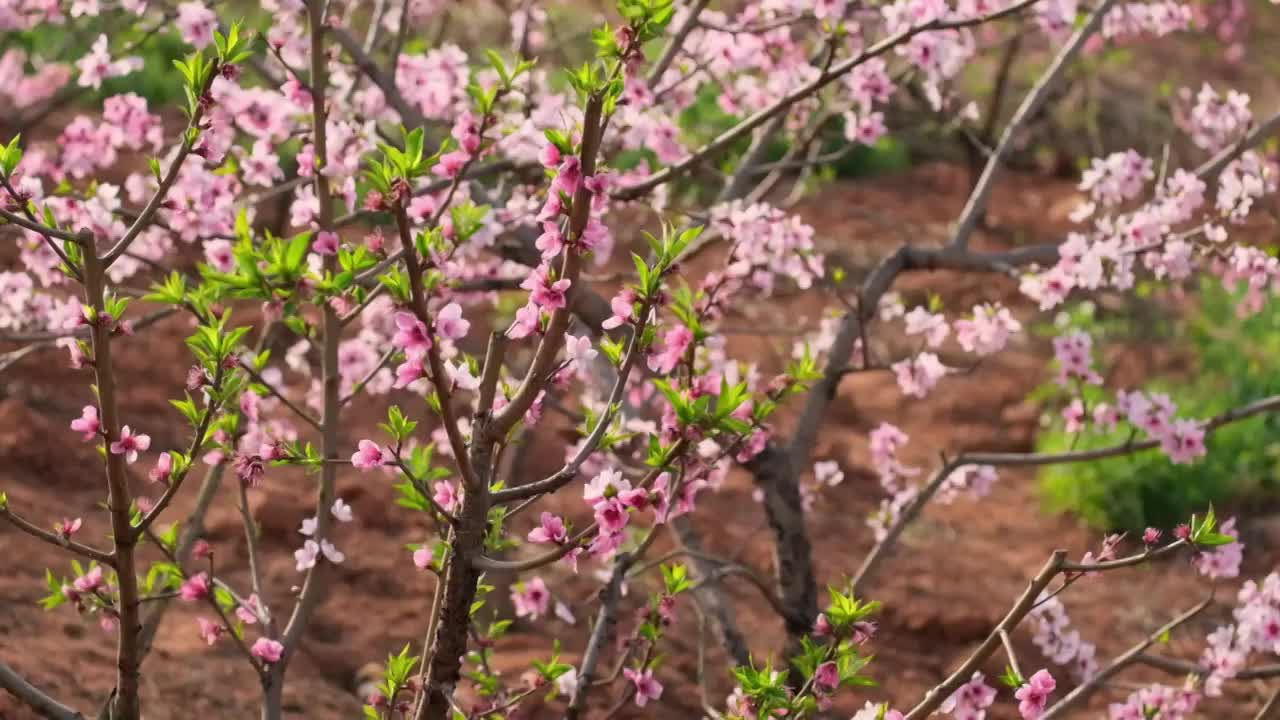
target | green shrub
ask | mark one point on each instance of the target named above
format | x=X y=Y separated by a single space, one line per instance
x=1237 y=360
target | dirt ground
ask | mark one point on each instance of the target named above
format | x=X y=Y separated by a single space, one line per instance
x=950 y=581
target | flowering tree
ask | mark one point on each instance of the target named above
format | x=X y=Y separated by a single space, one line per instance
x=428 y=187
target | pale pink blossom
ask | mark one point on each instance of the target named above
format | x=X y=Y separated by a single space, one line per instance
x=531 y=598
x=88 y=423
x=450 y=324
x=550 y=530
x=1033 y=696
x=267 y=650
x=369 y=456
x=195 y=588
x=130 y=444
x=647 y=688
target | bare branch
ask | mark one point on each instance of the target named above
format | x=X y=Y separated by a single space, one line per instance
x=939 y=694
x=1100 y=678
x=678 y=38
x=757 y=119
x=31 y=695
x=977 y=202
x=601 y=633
x=57 y=540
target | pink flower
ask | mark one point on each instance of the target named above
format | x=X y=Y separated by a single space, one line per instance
x=623 y=309
x=68 y=527
x=451 y=164
x=250 y=469
x=409 y=372
x=195 y=588
x=549 y=156
x=423 y=557
x=326 y=243
x=267 y=650
x=446 y=496
x=550 y=530
x=305 y=556
x=331 y=553
x=827 y=677
x=201 y=550
x=578 y=349
x=674 y=344
x=369 y=456
x=1074 y=352
x=341 y=511
x=646 y=687
x=87 y=423
x=450 y=324
x=1033 y=696
x=210 y=631
x=971 y=700
x=989 y=330
x=90 y=581
x=129 y=444
x=612 y=516
x=251 y=610
x=551 y=241
x=461 y=377
x=569 y=176
x=933 y=326
x=545 y=293
x=871 y=711
x=531 y=598
x=604 y=486
x=822 y=626
x=917 y=376
x=163 y=468
x=1073 y=416
x=1184 y=441
x=526 y=322
x=1151 y=536
x=196 y=23
x=411 y=335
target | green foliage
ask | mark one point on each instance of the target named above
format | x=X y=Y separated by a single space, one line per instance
x=10 y=155
x=1237 y=362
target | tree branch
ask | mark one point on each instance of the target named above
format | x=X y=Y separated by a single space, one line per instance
x=1084 y=690
x=57 y=540
x=977 y=202
x=31 y=695
x=757 y=119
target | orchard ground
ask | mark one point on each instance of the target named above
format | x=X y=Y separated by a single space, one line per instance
x=944 y=588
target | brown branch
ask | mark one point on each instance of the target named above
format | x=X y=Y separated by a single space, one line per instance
x=302 y=415
x=977 y=203
x=35 y=697
x=709 y=595
x=1271 y=709
x=549 y=346
x=601 y=633
x=309 y=596
x=1093 y=684
x=119 y=498
x=1186 y=667
x=55 y=539
x=678 y=39
x=1024 y=604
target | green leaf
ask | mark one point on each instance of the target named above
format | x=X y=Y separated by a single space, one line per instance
x=11 y=156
